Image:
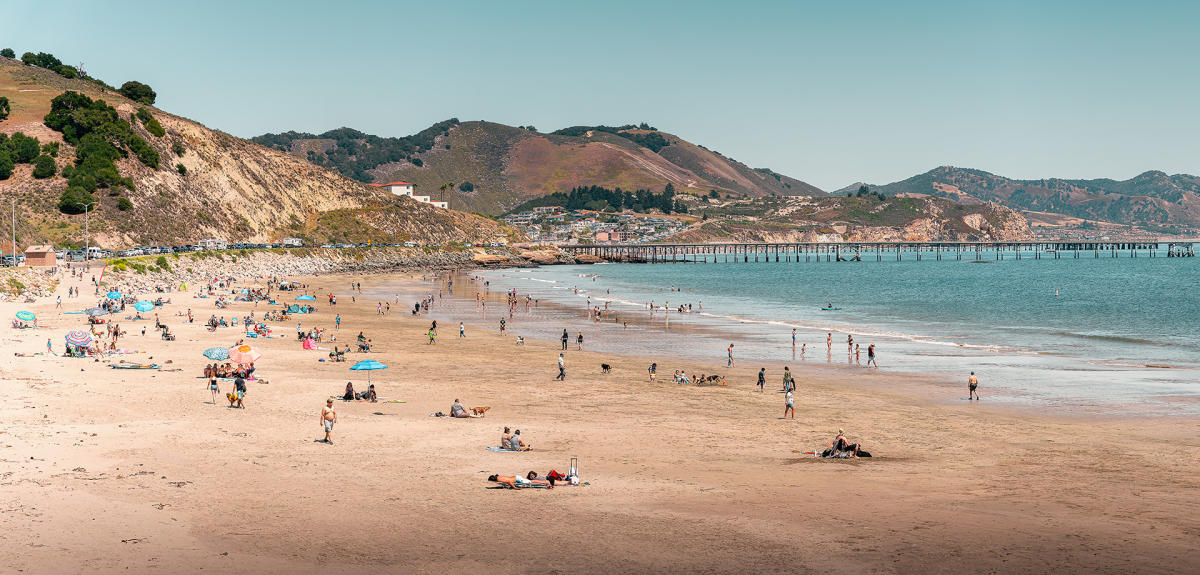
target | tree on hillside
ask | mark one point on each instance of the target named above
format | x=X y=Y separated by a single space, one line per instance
x=43 y=167
x=4 y=107
x=8 y=53
x=24 y=148
x=6 y=165
x=138 y=92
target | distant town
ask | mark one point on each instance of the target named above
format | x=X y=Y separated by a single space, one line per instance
x=558 y=225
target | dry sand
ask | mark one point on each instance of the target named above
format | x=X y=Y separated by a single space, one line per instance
x=106 y=470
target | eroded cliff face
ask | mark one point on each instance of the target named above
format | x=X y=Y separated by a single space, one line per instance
x=212 y=185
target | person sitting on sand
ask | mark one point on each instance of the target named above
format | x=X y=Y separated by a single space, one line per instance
x=506 y=439
x=349 y=395
x=517 y=444
x=457 y=410
x=843 y=448
x=370 y=395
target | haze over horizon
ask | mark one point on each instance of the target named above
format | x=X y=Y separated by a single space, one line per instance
x=830 y=94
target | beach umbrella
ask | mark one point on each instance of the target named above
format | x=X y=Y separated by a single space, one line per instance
x=306 y=298
x=26 y=316
x=244 y=354
x=114 y=295
x=368 y=365
x=78 y=337
x=217 y=353
x=96 y=311
x=143 y=306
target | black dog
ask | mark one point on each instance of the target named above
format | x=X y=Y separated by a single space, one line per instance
x=605 y=368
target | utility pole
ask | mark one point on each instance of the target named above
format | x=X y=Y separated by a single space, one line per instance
x=87 y=239
x=14 y=232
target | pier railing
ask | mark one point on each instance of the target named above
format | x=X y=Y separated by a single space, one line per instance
x=860 y=251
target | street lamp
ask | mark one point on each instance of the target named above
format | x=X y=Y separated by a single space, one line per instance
x=87 y=240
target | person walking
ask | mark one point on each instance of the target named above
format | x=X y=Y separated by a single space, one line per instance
x=58 y=302
x=504 y=325
x=789 y=407
x=462 y=330
x=762 y=379
x=562 y=368
x=871 y=356
x=214 y=388
x=565 y=339
x=337 y=323
x=653 y=369
x=328 y=418
x=972 y=385
x=730 y=352
x=579 y=342
x=788 y=382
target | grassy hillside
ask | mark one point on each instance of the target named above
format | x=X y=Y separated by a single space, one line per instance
x=490 y=168
x=1151 y=199
x=205 y=183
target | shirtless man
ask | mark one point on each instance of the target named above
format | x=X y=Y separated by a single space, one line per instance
x=328 y=418
x=972 y=383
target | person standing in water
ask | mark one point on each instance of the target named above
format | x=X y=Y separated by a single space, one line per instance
x=972 y=385
x=793 y=338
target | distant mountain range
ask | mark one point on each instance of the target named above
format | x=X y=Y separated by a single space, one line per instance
x=490 y=168
x=1152 y=199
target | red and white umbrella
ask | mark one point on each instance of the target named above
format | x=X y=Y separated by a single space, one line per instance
x=243 y=354
x=78 y=337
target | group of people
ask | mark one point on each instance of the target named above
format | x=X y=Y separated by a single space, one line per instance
x=228 y=370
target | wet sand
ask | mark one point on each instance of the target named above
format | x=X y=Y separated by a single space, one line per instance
x=136 y=471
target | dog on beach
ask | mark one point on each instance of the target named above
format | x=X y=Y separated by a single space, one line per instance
x=480 y=411
x=520 y=340
x=605 y=368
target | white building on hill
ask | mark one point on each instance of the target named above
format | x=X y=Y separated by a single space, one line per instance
x=406 y=189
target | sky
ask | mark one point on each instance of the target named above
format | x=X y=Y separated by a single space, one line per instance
x=827 y=92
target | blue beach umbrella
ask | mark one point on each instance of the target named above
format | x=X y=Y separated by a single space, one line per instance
x=217 y=353
x=368 y=365
x=306 y=298
x=143 y=306
x=26 y=316
x=96 y=311
x=114 y=295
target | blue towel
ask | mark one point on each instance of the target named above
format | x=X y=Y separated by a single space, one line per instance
x=499 y=450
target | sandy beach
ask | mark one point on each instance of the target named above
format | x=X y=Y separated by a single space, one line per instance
x=107 y=470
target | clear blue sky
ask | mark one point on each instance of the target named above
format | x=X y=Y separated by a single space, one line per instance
x=829 y=92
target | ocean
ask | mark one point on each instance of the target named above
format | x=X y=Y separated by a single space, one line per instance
x=1087 y=331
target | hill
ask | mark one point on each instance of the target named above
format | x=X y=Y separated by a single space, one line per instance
x=157 y=178
x=491 y=168
x=865 y=217
x=1154 y=199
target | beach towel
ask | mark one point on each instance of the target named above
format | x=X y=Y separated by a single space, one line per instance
x=495 y=449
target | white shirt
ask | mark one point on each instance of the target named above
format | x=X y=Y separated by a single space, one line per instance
x=789 y=398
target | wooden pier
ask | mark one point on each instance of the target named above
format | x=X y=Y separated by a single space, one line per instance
x=878 y=251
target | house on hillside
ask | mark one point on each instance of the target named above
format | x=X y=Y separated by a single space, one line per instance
x=406 y=189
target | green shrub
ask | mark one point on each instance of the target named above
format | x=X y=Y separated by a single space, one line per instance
x=73 y=200
x=138 y=92
x=124 y=204
x=144 y=152
x=155 y=128
x=5 y=108
x=23 y=148
x=50 y=149
x=143 y=114
x=182 y=169
x=177 y=147
x=6 y=165
x=43 y=167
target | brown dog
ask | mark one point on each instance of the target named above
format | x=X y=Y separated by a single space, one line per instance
x=480 y=411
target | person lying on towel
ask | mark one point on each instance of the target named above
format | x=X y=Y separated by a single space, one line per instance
x=516 y=482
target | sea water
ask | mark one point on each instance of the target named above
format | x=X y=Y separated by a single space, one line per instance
x=1097 y=332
